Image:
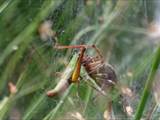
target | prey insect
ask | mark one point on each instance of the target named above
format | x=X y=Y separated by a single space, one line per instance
x=103 y=74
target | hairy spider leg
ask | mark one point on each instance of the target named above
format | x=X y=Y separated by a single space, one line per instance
x=80 y=46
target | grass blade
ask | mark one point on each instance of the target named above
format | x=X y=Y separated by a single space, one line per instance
x=148 y=85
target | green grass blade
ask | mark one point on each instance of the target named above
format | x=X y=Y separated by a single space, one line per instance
x=148 y=85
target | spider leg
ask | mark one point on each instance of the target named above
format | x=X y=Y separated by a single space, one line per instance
x=98 y=51
x=96 y=87
x=80 y=46
x=72 y=46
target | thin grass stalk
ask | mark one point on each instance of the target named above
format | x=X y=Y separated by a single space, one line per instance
x=148 y=85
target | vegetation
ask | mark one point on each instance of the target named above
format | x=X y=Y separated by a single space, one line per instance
x=125 y=31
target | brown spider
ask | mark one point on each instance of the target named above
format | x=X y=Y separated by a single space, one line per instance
x=103 y=74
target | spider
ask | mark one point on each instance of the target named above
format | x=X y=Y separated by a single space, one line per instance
x=103 y=73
